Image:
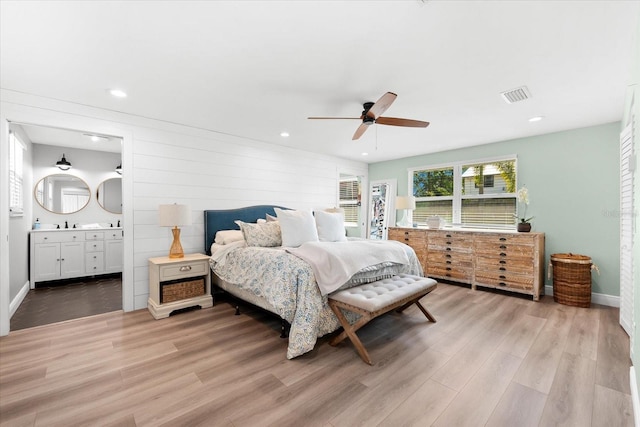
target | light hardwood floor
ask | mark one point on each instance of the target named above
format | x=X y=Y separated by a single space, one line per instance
x=490 y=360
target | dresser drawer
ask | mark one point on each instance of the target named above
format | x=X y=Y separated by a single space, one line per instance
x=502 y=250
x=450 y=272
x=182 y=270
x=504 y=280
x=407 y=234
x=510 y=265
x=506 y=238
x=457 y=258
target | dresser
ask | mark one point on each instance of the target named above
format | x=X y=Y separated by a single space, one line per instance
x=505 y=260
x=70 y=253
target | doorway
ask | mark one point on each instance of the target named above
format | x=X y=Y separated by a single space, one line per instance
x=94 y=159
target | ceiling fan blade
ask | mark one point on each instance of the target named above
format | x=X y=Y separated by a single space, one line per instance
x=382 y=104
x=361 y=129
x=334 y=118
x=394 y=121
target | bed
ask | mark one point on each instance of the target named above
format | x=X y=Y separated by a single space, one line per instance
x=282 y=283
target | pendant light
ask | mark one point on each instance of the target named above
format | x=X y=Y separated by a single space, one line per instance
x=63 y=164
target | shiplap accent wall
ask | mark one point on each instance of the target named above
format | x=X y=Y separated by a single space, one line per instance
x=170 y=163
x=218 y=172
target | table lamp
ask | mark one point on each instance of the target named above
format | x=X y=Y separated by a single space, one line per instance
x=405 y=203
x=173 y=216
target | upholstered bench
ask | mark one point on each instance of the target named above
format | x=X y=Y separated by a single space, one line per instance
x=374 y=299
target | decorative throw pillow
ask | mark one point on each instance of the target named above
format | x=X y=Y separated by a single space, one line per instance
x=265 y=234
x=330 y=226
x=224 y=237
x=297 y=227
x=271 y=218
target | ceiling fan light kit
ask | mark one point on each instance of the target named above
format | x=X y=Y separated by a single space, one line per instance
x=372 y=113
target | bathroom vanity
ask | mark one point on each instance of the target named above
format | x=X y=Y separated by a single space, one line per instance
x=68 y=253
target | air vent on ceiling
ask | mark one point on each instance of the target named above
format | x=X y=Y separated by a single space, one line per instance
x=514 y=95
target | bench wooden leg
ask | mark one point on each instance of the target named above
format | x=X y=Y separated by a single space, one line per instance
x=426 y=312
x=349 y=330
x=420 y=306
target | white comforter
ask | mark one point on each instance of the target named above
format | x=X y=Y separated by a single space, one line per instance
x=334 y=263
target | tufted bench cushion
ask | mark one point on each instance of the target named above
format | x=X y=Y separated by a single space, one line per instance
x=374 y=299
x=383 y=293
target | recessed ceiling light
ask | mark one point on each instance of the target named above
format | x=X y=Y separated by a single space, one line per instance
x=118 y=93
x=536 y=118
x=284 y=134
x=96 y=138
x=365 y=154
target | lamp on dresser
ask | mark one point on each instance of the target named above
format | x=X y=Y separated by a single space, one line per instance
x=405 y=203
x=174 y=216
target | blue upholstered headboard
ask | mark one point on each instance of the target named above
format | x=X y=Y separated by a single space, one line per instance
x=216 y=220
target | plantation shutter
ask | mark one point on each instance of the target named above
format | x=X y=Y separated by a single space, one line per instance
x=626 y=229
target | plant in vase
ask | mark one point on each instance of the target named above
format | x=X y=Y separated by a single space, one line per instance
x=523 y=222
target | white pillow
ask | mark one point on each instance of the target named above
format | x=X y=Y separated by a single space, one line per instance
x=224 y=237
x=330 y=226
x=297 y=227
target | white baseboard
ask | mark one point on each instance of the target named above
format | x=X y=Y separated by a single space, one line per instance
x=602 y=299
x=634 y=396
x=15 y=303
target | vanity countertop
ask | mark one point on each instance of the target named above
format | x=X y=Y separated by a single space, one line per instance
x=75 y=229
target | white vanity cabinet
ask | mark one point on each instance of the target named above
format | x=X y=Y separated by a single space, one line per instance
x=63 y=254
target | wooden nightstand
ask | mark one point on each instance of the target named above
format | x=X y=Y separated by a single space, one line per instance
x=176 y=283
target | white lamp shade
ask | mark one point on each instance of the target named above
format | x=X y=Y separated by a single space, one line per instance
x=405 y=202
x=174 y=215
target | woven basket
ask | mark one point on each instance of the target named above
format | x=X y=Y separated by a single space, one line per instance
x=572 y=279
x=181 y=289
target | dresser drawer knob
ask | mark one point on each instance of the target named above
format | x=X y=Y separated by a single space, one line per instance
x=448 y=256
x=502 y=284
x=503 y=239
x=447 y=235
x=503 y=246
x=448 y=268
x=503 y=269
x=448 y=249
x=503 y=254
x=448 y=262
x=503 y=261
x=448 y=243
x=503 y=277
x=185 y=268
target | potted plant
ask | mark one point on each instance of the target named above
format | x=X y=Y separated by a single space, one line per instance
x=523 y=222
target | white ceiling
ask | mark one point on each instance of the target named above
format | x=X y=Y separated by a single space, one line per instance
x=257 y=68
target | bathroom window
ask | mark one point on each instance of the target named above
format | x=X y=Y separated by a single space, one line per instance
x=16 y=175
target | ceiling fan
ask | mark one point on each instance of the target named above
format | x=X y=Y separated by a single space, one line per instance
x=372 y=114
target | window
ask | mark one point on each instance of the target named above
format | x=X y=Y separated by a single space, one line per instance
x=433 y=189
x=350 y=200
x=16 y=178
x=479 y=194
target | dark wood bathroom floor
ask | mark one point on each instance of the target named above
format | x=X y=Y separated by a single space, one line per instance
x=70 y=299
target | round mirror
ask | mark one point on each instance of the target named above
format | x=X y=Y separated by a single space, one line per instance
x=109 y=195
x=62 y=193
